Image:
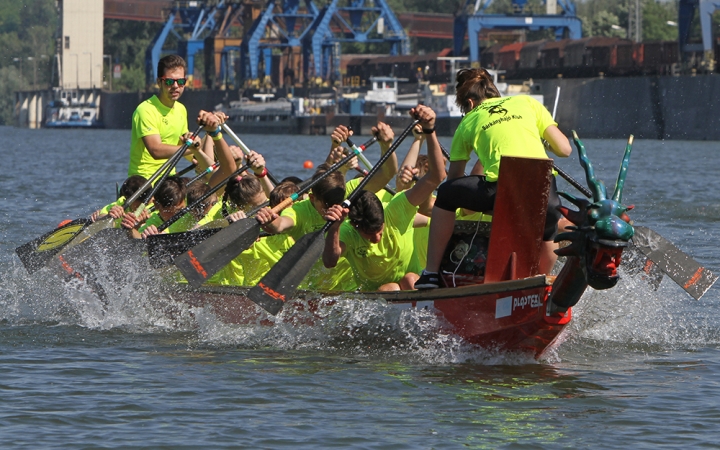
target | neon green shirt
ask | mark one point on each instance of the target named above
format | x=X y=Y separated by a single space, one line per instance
x=185 y=223
x=308 y=220
x=152 y=117
x=214 y=213
x=390 y=259
x=106 y=209
x=382 y=194
x=248 y=268
x=507 y=126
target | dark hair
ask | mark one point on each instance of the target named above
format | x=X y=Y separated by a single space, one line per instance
x=131 y=186
x=282 y=191
x=366 y=212
x=240 y=190
x=170 y=62
x=171 y=192
x=473 y=84
x=331 y=189
x=292 y=179
x=194 y=192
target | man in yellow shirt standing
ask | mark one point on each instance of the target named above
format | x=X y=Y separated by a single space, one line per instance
x=159 y=124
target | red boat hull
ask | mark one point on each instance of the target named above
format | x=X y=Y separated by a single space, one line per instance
x=508 y=315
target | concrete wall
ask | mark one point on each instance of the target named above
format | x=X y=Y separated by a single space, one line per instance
x=604 y=108
x=647 y=107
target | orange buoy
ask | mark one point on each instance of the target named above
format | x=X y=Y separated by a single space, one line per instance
x=63 y=223
x=308 y=164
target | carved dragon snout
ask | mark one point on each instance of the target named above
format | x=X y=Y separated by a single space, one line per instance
x=601 y=227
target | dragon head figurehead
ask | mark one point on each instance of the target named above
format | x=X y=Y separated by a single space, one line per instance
x=601 y=228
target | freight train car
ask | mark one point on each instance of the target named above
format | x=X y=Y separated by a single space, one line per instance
x=570 y=58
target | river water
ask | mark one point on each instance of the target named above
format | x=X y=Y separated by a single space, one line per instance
x=636 y=368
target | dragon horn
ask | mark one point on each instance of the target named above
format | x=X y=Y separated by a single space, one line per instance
x=617 y=196
x=595 y=187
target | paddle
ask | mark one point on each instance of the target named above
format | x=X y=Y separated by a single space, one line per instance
x=162 y=248
x=186 y=170
x=282 y=280
x=205 y=259
x=246 y=151
x=35 y=254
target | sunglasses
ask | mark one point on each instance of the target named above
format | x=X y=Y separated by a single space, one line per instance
x=170 y=81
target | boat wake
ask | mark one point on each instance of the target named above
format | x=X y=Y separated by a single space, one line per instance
x=632 y=317
x=635 y=317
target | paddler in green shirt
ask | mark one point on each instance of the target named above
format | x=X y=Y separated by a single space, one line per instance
x=306 y=216
x=377 y=242
x=159 y=124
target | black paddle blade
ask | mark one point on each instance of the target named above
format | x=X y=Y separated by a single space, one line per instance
x=205 y=259
x=684 y=270
x=281 y=282
x=165 y=247
x=35 y=254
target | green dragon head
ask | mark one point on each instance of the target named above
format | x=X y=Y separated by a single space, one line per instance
x=601 y=228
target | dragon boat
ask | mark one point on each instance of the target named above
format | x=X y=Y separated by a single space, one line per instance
x=495 y=296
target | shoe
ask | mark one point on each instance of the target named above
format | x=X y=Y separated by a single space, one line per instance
x=428 y=280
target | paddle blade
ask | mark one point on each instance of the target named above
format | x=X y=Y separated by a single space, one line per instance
x=678 y=265
x=205 y=259
x=165 y=247
x=281 y=282
x=35 y=254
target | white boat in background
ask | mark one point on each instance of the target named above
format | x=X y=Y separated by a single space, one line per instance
x=74 y=109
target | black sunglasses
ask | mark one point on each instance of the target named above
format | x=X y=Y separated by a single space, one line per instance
x=170 y=81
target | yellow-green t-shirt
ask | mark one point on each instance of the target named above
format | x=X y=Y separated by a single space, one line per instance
x=390 y=259
x=248 y=268
x=308 y=220
x=214 y=213
x=152 y=117
x=185 y=223
x=382 y=194
x=506 y=126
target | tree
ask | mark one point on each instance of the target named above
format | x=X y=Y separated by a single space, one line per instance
x=655 y=21
x=126 y=41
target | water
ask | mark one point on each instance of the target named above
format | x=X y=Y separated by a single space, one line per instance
x=636 y=367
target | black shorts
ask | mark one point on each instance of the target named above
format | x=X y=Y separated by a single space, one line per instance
x=477 y=194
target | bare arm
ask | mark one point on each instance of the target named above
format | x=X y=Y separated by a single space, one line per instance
x=334 y=248
x=272 y=222
x=410 y=160
x=457 y=169
x=436 y=171
x=388 y=170
x=158 y=150
x=559 y=143
x=205 y=155
x=257 y=164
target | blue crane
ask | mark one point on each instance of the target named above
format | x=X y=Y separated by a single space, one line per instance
x=686 y=12
x=473 y=18
x=281 y=24
x=360 y=22
x=198 y=20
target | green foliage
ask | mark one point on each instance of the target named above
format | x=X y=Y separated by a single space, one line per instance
x=126 y=41
x=12 y=82
x=655 y=17
x=27 y=30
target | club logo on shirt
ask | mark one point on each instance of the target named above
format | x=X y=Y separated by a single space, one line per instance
x=165 y=121
x=361 y=252
x=497 y=109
